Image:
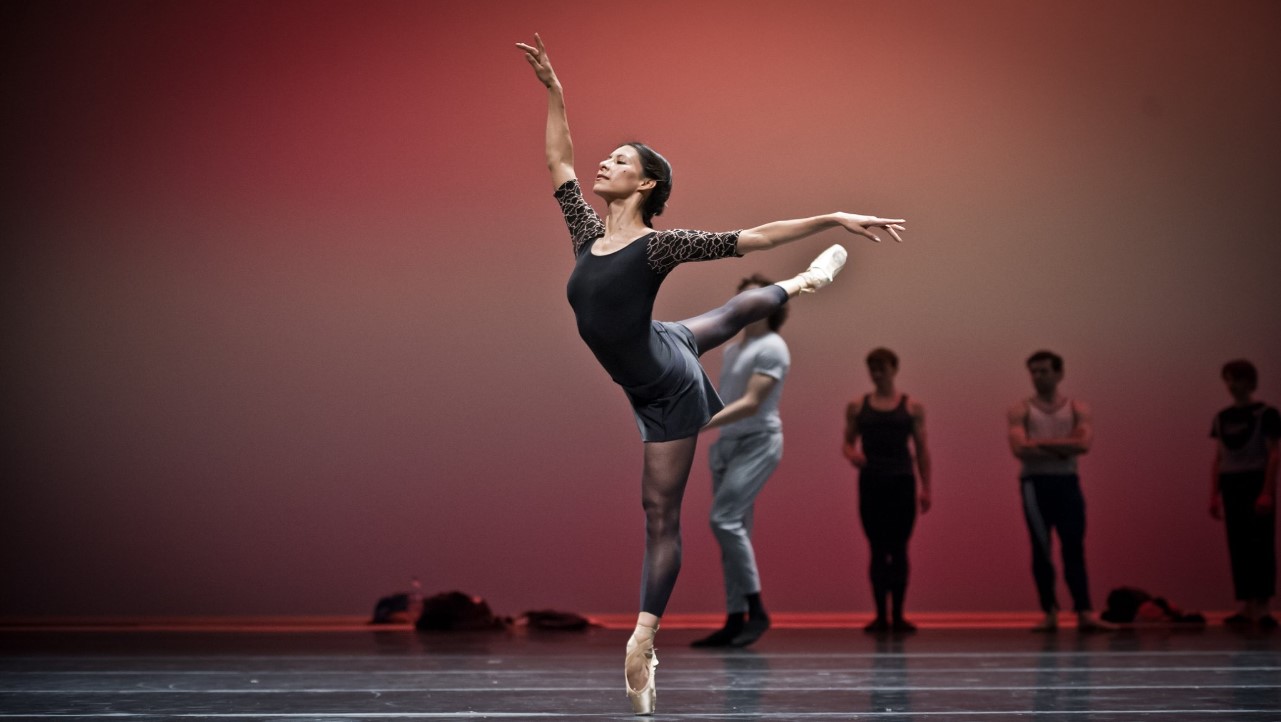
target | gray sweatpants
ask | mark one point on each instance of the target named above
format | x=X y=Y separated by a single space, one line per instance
x=740 y=467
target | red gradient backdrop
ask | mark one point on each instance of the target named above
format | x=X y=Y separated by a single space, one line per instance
x=284 y=288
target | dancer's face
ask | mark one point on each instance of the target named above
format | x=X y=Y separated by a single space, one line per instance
x=1044 y=377
x=620 y=175
x=1240 y=388
x=882 y=374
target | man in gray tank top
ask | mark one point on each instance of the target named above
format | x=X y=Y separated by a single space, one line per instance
x=748 y=450
x=1047 y=432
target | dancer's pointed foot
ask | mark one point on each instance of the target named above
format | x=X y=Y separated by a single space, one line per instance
x=879 y=625
x=820 y=273
x=823 y=269
x=638 y=667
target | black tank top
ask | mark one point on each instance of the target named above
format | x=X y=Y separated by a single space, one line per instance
x=885 y=435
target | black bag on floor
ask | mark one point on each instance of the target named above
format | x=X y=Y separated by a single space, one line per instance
x=1128 y=604
x=552 y=620
x=455 y=611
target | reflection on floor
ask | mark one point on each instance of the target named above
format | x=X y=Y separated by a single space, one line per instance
x=972 y=672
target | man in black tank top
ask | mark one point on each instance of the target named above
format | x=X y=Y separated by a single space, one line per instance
x=877 y=430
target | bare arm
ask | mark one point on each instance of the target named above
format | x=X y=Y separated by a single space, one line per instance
x=851 y=448
x=772 y=235
x=1267 y=497
x=758 y=388
x=559 y=146
x=1216 y=501
x=925 y=497
x=1020 y=446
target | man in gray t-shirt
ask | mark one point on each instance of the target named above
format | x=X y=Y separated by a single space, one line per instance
x=748 y=450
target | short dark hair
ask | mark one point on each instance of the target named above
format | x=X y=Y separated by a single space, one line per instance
x=1242 y=370
x=1056 y=361
x=882 y=357
x=656 y=168
x=779 y=317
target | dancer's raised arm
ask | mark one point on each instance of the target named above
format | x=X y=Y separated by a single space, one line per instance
x=771 y=235
x=560 y=149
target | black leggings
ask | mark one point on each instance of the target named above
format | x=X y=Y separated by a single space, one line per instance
x=667 y=463
x=887 y=506
x=1252 y=545
x=1055 y=503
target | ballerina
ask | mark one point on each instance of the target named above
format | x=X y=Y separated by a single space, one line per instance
x=620 y=262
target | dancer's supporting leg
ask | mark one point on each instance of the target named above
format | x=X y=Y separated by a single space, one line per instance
x=667 y=465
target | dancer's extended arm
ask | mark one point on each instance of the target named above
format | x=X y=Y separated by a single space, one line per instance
x=560 y=149
x=772 y=235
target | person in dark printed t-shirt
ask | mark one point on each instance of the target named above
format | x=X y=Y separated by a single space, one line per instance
x=1243 y=489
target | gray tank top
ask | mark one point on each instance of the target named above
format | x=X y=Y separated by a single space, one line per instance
x=1056 y=425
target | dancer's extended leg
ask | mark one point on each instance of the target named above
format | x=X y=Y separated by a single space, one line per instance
x=719 y=325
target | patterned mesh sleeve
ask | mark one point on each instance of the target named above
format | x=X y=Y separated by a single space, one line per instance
x=584 y=225
x=668 y=249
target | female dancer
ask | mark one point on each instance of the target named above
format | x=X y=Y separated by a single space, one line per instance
x=887 y=495
x=620 y=264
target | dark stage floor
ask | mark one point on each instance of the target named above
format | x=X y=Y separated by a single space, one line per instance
x=793 y=674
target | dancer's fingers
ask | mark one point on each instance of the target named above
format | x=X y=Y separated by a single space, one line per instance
x=893 y=231
x=527 y=48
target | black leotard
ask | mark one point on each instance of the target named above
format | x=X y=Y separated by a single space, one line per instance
x=613 y=295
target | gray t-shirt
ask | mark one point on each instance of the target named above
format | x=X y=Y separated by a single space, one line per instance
x=765 y=354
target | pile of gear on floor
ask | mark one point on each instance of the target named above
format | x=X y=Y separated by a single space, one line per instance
x=1129 y=605
x=460 y=612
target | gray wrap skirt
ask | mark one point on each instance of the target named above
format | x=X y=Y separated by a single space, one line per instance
x=682 y=399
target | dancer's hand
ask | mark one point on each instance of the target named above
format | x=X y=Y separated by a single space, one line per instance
x=1216 y=508
x=854 y=456
x=924 y=499
x=537 y=56
x=854 y=223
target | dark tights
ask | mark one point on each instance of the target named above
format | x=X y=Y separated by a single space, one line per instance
x=667 y=463
x=887 y=506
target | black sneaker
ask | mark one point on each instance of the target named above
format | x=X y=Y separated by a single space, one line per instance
x=1267 y=621
x=753 y=628
x=720 y=638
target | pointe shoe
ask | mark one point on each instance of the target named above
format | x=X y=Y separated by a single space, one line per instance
x=643 y=700
x=823 y=269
